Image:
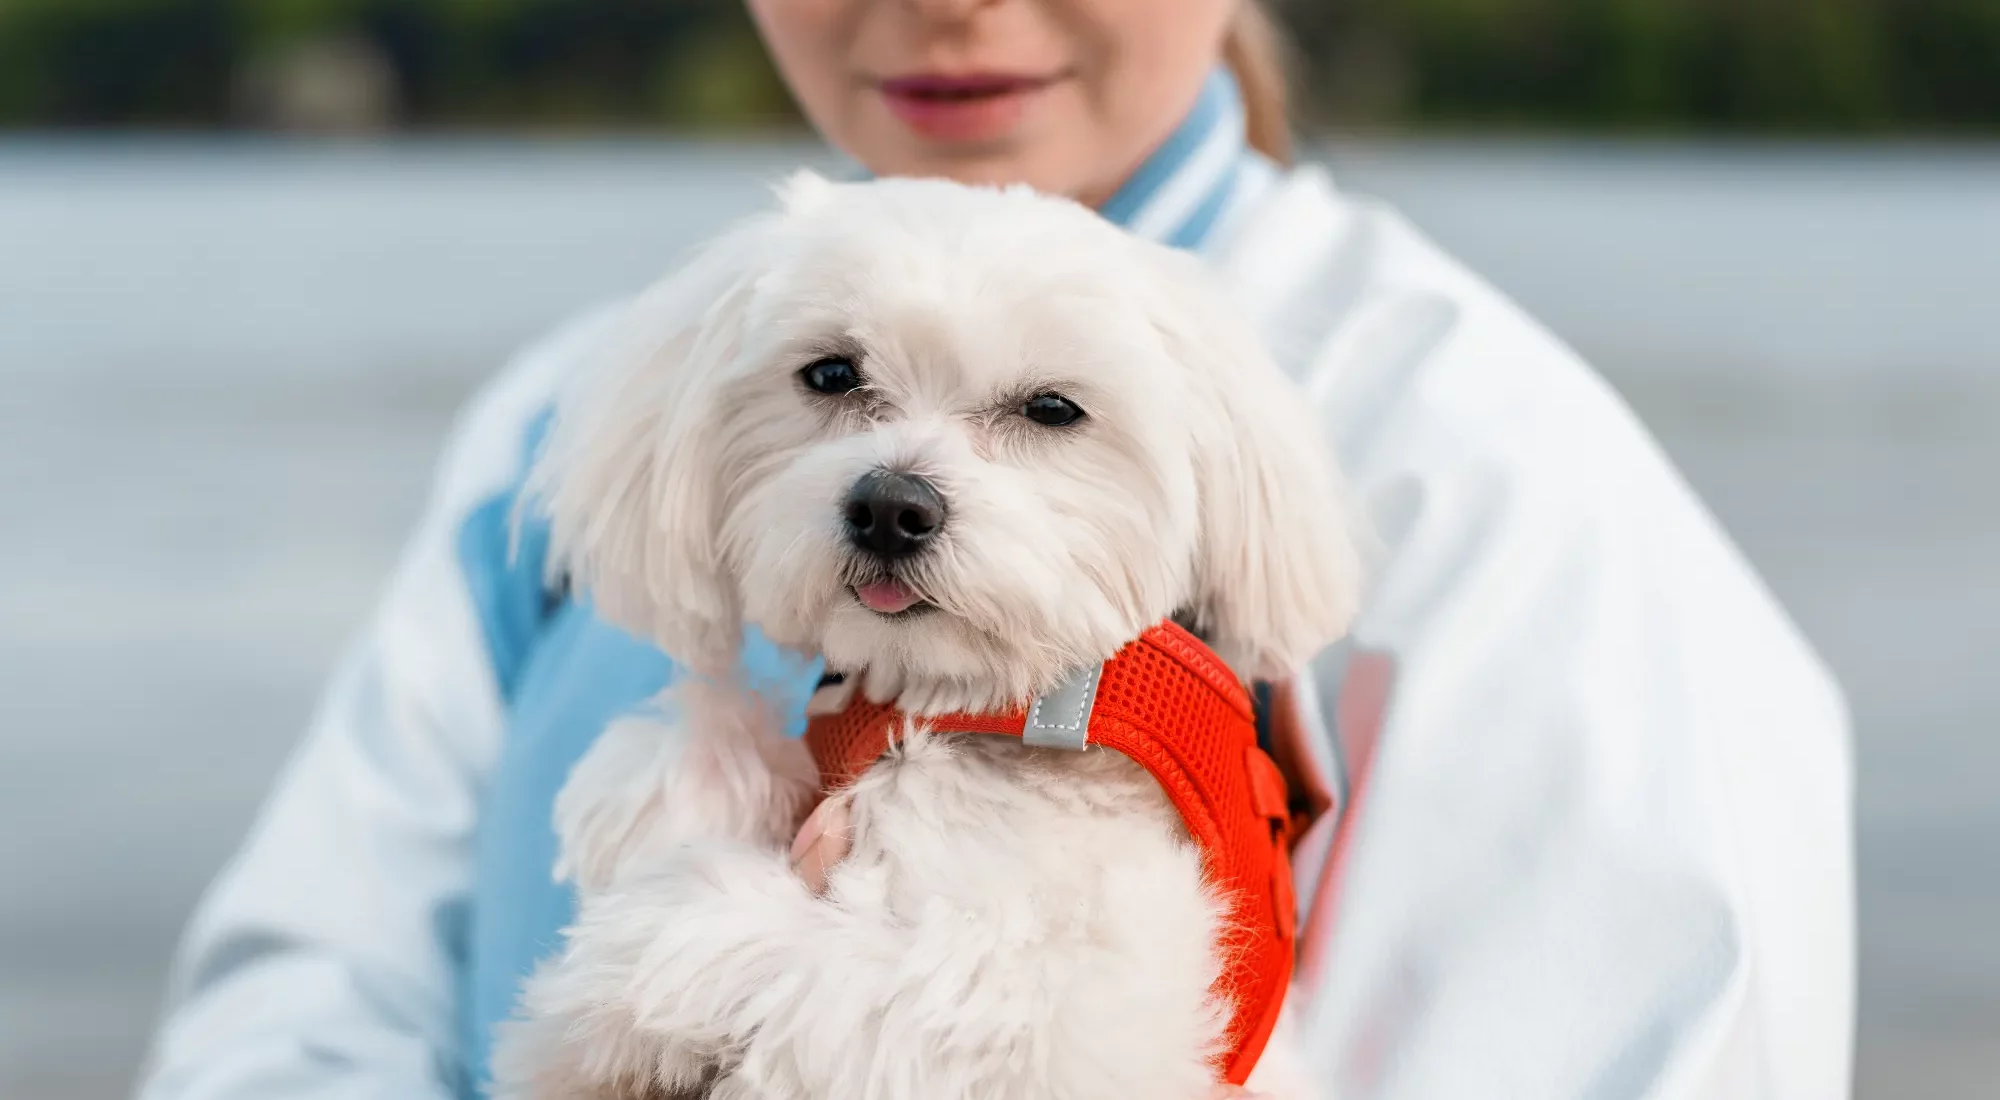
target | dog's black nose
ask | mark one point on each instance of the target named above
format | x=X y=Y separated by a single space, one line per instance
x=892 y=514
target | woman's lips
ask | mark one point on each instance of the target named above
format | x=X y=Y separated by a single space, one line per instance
x=971 y=107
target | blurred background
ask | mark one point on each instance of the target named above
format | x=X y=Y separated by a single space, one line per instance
x=254 y=252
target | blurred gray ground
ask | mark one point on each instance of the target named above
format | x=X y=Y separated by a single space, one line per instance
x=227 y=367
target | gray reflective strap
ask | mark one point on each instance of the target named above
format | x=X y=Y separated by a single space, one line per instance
x=1060 y=718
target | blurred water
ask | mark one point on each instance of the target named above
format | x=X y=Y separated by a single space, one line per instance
x=228 y=366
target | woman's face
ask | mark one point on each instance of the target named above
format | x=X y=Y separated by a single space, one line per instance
x=1067 y=95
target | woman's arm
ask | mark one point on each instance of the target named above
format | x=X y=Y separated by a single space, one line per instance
x=1599 y=843
x=325 y=961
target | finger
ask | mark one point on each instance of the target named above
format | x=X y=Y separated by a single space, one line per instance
x=821 y=843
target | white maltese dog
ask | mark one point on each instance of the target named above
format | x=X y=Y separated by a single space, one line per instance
x=957 y=442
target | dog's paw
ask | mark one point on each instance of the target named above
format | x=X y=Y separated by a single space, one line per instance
x=712 y=764
x=577 y=1037
x=663 y=980
x=616 y=795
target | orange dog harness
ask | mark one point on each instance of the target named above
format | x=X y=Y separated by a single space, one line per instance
x=1168 y=702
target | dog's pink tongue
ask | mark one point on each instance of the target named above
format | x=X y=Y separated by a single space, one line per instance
x=887 y=597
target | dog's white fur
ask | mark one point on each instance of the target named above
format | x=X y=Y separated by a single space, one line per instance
x=1011 y=922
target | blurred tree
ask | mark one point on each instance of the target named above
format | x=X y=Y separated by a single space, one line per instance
x=1712 y=65
x=334 y=82
x=1946 y=57
x=452 y=62
x=1676 y=65
x=81 y=62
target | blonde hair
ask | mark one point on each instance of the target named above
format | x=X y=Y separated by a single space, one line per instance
x=1255 y=51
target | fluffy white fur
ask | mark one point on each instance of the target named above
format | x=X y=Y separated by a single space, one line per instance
x=1011 y=922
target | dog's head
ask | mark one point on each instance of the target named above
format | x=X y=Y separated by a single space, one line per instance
x=962 y=438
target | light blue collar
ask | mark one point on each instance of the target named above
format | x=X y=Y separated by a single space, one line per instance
x=1182 y=189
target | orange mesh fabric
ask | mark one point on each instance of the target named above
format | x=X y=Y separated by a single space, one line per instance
x=1169 y=703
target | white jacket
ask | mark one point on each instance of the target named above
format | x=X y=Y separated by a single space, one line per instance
x=1595 y=832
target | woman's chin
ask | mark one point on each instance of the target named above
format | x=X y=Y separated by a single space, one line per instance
x=1029 y=148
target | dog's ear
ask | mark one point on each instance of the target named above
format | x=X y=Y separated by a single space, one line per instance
x=1278 y=564
x=629 y=473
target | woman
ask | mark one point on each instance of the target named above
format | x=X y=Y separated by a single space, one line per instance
x=1588 y=821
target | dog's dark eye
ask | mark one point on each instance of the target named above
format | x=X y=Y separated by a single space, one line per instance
x=834 y=374
x=1052 y=409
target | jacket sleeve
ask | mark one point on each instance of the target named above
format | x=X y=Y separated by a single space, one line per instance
x=1597 y=839
x=325 y=959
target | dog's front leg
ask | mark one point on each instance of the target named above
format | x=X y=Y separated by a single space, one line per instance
x=664 y=979
x=711 y=762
